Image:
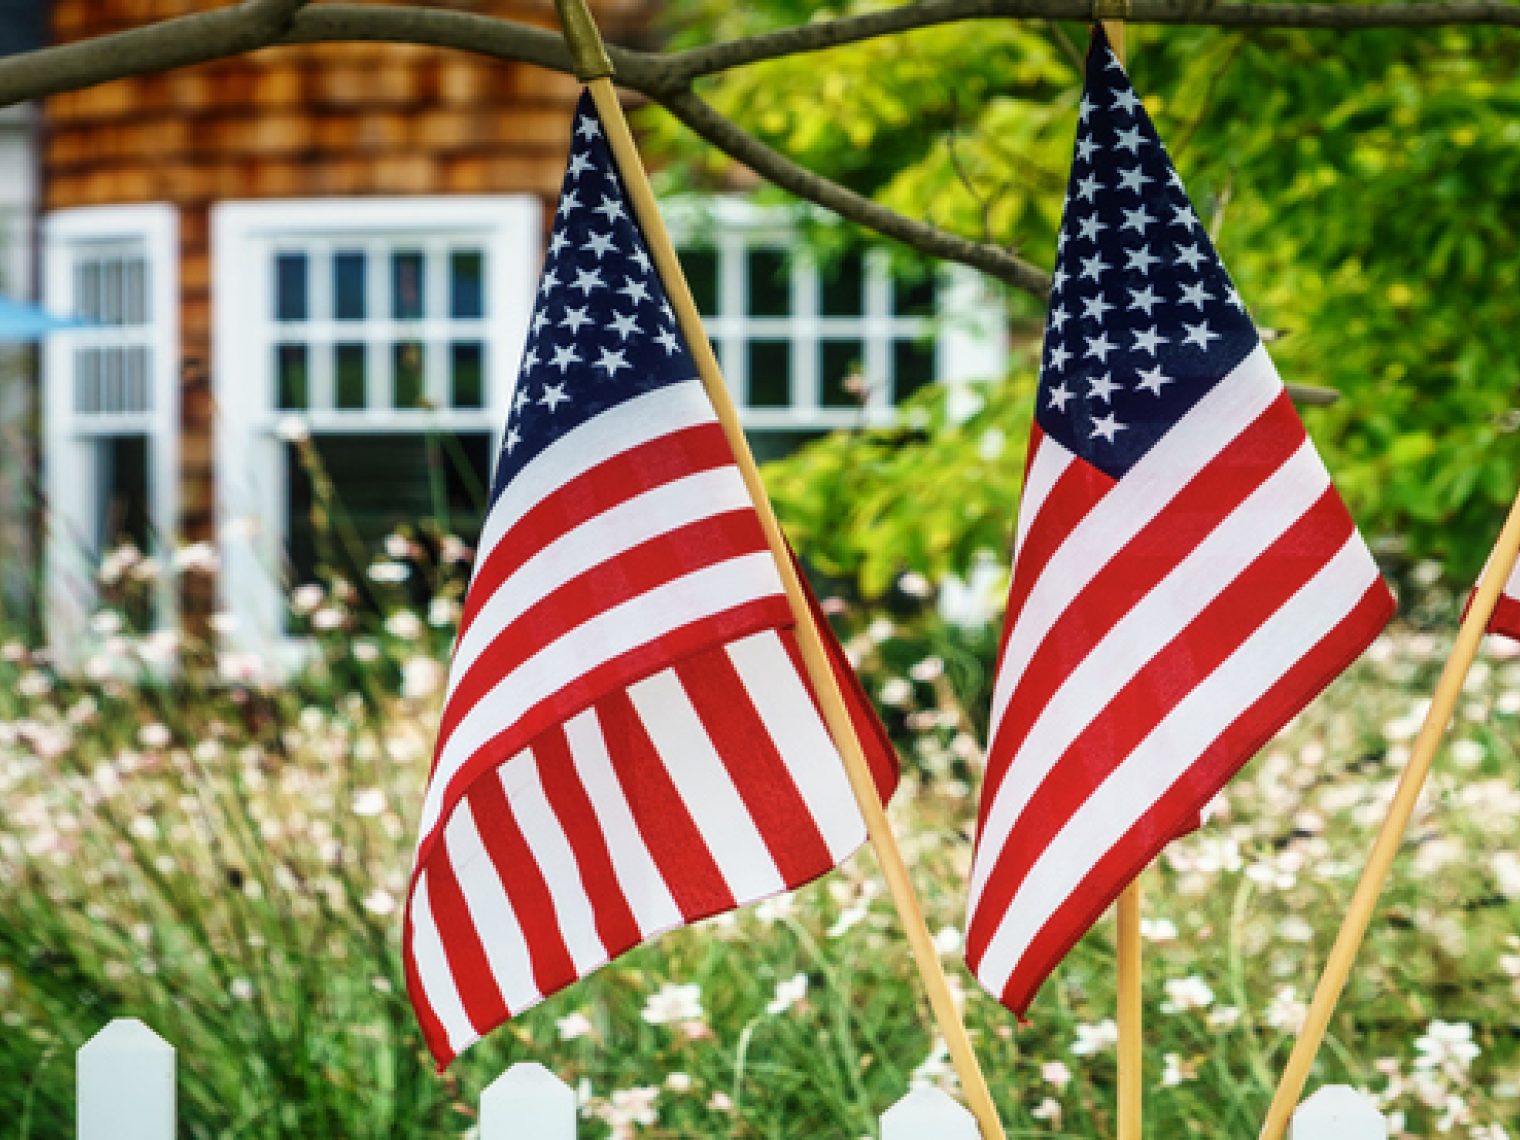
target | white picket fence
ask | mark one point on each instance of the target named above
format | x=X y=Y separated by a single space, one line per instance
x=126 y=1091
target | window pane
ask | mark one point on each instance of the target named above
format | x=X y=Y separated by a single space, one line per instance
x=770 y=285
x=842 y=291
x=701 y=266
x=87 y=380
x=406 y=284
x=467 y=283
x=121 y=473
x=348 y=285
x=110 y=292
x=915 y=296
x=139 y=396
x=290 y=287
x=290 y=372
x=406 y=374
x=348 y=376
x=110 y=370
x=841 y=374
x=467 y=374
x=773 y=443
x=136 y=286
x=87 y=289
x=770 y=373
x=912 y=367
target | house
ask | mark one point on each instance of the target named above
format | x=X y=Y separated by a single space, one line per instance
x=314 y=266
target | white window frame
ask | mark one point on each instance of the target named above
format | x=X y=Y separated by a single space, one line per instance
x=968 y=329
x=250 y=472
x=70 y=436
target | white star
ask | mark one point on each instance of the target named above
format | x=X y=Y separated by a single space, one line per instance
x=1183 y=216
x=640 y=258
x=1059 y=396
x=1141 y=259
x=550 y=280
x=1085 y=148
x=574 y=319
x=1125 y=101
x=670 y=314
x=1174 y=179
x=1146 y=340
x=1143 y=299
x=1138 y=218
x=1133 y=179
x=1087 y=187
x=1100 y=347
x=1059 y=355
x=1233 y=297
x=530 y=360
x=1057 y=317
x=1090 y=227
x=587 y=280
x=564 y=357
x=1106 y=427
x=611 y=360
x=635 y=291
x=557 y=242
x=610 y=208
x=521 y=400
x=1199 y=334
x=667 y=341
x=1057 y=279
x=598 y=244
x=554 y=396
x=1095 y=307
x=1085 y=108
x=1130 y=140
x=1190 y=255
x=587 y=127
x=1195 y=295
x=540 y=319
x=579 y=164
x=514 y=437
x=1094 y=265
x=568 y=203
x=623 y=325
x=1103 y=387
x=1151 y=380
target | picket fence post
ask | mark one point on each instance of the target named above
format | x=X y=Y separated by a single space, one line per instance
x=124 y=1084
x=928 y=1114
x=1338 y=1112
x=527 y=1102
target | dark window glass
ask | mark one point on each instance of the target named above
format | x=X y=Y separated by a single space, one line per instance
x=349 y=274
x=407 y=372
x=406 y=284
x=842 y=286
x=772 y=443
x=121 y=472
x=292 y=377
x=87 y=380
x=467 y=283
x=841 y=374
x=915 y=296
x=912 y=367
x=467 y=374
x=290 y=287
x=110 y=374
x=87 y=289
x=770 y=285
x=701 y=266
x=139 y=394
x=349 y=389
x=135 y=286
x=770 y=374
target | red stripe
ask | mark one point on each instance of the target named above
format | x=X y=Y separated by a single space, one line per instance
x=615 y=924
x=677 y=847
x=479 y=992
x=743 y=742
x=1506 y=619
x=1191 y=516
x=525 y=886
x=1252 y=729
x=598 y=489
x=1204 y=644
x=433 y=1032
x=579 y=694
x=636 y=571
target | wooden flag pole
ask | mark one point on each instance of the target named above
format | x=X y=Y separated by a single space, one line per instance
x=1406 y=796
x=595 y=69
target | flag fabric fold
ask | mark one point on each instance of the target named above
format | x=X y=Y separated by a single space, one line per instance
x=1506 y=619
x=628 y=743
x=1185 y=577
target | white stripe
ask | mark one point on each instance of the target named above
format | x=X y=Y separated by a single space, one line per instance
x=573 y=909
x=607 y=635
x=1199 y=436
x=600 y=538
x=491 y=913
x=619 y=429
x=650 y=900
x=1051 y=459
x=1162 y=758
x=434 y=973
x=705 y=787
x=784 y=705
x=1143 y=632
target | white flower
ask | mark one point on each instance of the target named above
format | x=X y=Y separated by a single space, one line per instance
x=443 y=611
x=421 y=677
x=405 y=625
x=896 y=692
x=948 y=940
x=105 y=622
x=929 y=669
x=389 y=573
x=1048 y=1109
x=241 y=989
x=788 y=994
x=292 y=429
x=1446 y=1045
x=1095 y=1038
x=154 y=736
x=1286 y=1012
x=1055 y=1073
x=380 y=902
x=305 y=599
x=368 y=801
x=1158 y=929
x=327 y=618
x=1174 y=1071
x=915 y=585
x=196 y=558
x=1186 y=993
x=673 y=1004
x=679 y=1082
x=934 y=1069
x=574 y=1027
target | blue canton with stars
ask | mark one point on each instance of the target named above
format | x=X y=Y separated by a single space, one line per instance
x=1143 y=319
x=602 y=329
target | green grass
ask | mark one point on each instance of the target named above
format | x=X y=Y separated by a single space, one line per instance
x=227 y=861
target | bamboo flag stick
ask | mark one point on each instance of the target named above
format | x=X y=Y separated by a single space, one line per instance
x=1405 y=797
x=595 y=69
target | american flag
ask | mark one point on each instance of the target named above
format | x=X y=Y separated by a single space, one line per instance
x=1185 y=577
x=627 y=743
x=1506 y=619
